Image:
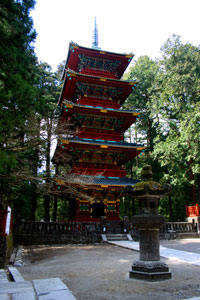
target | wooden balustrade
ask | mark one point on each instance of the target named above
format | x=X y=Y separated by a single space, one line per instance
x=56 y=227
x=96 y=227
x=178 y=227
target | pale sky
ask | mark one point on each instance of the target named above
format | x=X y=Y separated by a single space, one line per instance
x=125 y=26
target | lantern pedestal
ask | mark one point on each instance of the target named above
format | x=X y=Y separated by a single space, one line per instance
x=149 y=266
x=148 y=222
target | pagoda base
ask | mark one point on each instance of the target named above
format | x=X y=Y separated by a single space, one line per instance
x=150 y=271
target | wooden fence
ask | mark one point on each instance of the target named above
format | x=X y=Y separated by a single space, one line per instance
x=57 y=227
x=179 y=227
x=104 y=226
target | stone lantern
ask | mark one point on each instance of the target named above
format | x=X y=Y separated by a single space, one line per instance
x=148 y=222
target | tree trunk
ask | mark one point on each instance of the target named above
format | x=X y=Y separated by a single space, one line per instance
x=171 y=214
x=33 y=201
x=55 y=208
x=55 y=204
x=193 y=186
x=47 y=208
x=47 y=196
x=137 y=157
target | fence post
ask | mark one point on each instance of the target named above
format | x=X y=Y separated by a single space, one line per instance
x=125 y=225
x=103 y=224
x=198 y=224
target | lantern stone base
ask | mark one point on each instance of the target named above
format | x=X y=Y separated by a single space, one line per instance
x=150 y=270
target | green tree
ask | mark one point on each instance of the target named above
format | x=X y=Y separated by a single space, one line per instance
x=48 y=93
x=144 y=72
x=175 y=104
x=17 y=93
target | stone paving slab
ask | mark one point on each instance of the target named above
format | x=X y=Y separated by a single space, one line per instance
x=189 y=257
x=24 y=296
x=57 y=295
x=3 y=276
x=16 y=276
x=45 y=289
x=44 y=286
x=196 y=298
x=5 y=297
x=16 y=287
x=52 y=289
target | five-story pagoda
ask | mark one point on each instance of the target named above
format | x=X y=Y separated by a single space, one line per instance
x=90 y=101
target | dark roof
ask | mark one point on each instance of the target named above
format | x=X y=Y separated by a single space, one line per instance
x=115 y=181
x=96 y=52
x=72 y=72
x=100 y=107
x=71 y=77
x=102 y=142
x=104 y=181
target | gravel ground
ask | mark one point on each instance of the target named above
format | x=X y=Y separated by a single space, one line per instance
x=101 y=272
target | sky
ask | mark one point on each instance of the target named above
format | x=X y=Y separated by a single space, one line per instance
x=124 y=26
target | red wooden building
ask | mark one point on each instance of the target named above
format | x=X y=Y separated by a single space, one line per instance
x=93 y=143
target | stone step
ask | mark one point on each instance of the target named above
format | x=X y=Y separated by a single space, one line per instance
x=187 y=235
x=116 y=237
x=3 y=276
x=52 y=289
x=15 y=274
x=23 y=287
x=12 y=257
x=41 y=289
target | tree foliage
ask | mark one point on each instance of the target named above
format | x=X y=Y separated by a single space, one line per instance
x=29 y=92
x=144 y=71
x=176 y=104
x=168 y=92
x=17 y=91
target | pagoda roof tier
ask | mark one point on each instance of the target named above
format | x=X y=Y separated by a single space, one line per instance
x=100 y=181
x=78 y=85
x=123 y=151
x=102 y=144
x=96 y=61
x=99 y=117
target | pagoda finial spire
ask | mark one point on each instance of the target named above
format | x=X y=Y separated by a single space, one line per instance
x=95 y=41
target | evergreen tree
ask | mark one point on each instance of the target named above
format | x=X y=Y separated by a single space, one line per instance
x=17 y=93
x=48 y=93
x=144 y=72
x=176 y=104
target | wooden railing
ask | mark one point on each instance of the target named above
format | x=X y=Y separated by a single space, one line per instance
x=179 y=227
x=96 y=227
x=115 y=226
x=56 y=227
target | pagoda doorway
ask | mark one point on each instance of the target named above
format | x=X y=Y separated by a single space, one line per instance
x=98 y=210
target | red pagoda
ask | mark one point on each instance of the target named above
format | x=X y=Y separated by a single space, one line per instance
x=90 y=101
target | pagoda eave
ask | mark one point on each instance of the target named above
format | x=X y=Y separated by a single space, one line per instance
x=122 y=120
x=75 y=50
x=97 y=110
x=88 y=81
x=102 y=182
x=128 y=151
x=95 y=144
